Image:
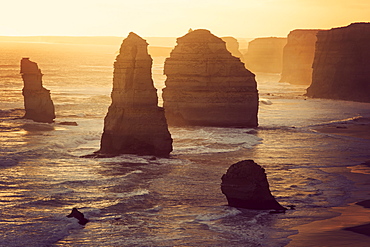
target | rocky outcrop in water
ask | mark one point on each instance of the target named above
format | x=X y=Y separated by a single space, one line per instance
x=207 y=86
x=245 y=185
x=298 y=56
x=265 y=55
x=134 y=123
x=37 y=101
x=232 y=45
x=341 y=68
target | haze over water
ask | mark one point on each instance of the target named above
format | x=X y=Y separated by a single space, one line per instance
x=136 y=201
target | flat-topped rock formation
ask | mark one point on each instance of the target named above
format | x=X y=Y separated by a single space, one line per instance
x=232 y=45
x=265 y=55
x=245 y=185
x=134 y=123
x=298 y=57
x=341 y=68
x=207 y=86
x=37 y=101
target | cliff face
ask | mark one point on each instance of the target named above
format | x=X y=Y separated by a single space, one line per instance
x=341 y=68
x=207 y=86
x=298 y=56
x=37 y=101
x=232 y=45
x=265 y=55
x=134 y=123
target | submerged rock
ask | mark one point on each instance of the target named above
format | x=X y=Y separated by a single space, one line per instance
x=207 y=86
x=341 y=68
x=298 y=56
x=37 y=101
x=134 y=123
x=78 y=215
x=245 y=185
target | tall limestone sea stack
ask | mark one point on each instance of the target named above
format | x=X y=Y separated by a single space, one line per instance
x=134 y=123
x=232 y=45
x=37 y=101
x=341 y=68
x=265 y=55
x=207 y=86
x=298 y=56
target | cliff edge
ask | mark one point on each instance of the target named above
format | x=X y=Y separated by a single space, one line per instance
x=341 y=68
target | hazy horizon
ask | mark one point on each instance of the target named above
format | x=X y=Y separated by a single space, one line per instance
x=165 y=18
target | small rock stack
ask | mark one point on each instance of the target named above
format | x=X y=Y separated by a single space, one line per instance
x=245 y=185
x=37 y=101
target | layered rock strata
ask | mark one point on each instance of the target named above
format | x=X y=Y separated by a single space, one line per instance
x=298 y=57
x=207 y=86
x=341 y=68
x=265 y=55
x=134 y=123
x=37 y=101
x=245 y=185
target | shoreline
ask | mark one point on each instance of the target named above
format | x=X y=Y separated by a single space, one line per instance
x=350 y=227
x=334 y=231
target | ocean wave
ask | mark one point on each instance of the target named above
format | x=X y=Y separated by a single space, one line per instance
x=211 y=139
x=224 y=212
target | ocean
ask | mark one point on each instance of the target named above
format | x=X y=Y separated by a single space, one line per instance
x=140 y=201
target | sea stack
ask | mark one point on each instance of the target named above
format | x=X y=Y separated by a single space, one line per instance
x=341 y=68
x=245 y=185
x=265 y=55
x=232 y=45
x=207 y=86
x=298 y=57
x=134 y=123
x=37 y=101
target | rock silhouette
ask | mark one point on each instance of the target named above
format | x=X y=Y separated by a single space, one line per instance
x=134 y=123
x=298 y=57
x=341 y=68
x=232 y=45
x=37 y=101
x=245 y=185
x=265 y=55
x=78 y=215
x=207 y=86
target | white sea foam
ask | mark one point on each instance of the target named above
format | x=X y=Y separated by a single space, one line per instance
x=211 y=140
x=224 y=212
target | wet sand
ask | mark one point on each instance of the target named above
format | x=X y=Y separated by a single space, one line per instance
x=352 y=226
x=362 y=229
x=334 y=231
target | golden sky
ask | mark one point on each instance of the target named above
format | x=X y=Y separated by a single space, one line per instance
x=173 y=18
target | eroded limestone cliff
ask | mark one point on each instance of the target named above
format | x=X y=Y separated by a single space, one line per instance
x=232 y=45
x=207 y=86
x=298 y=56
x=37 y=101
x=134 y=123
x=265 y=55
x=341 y=68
